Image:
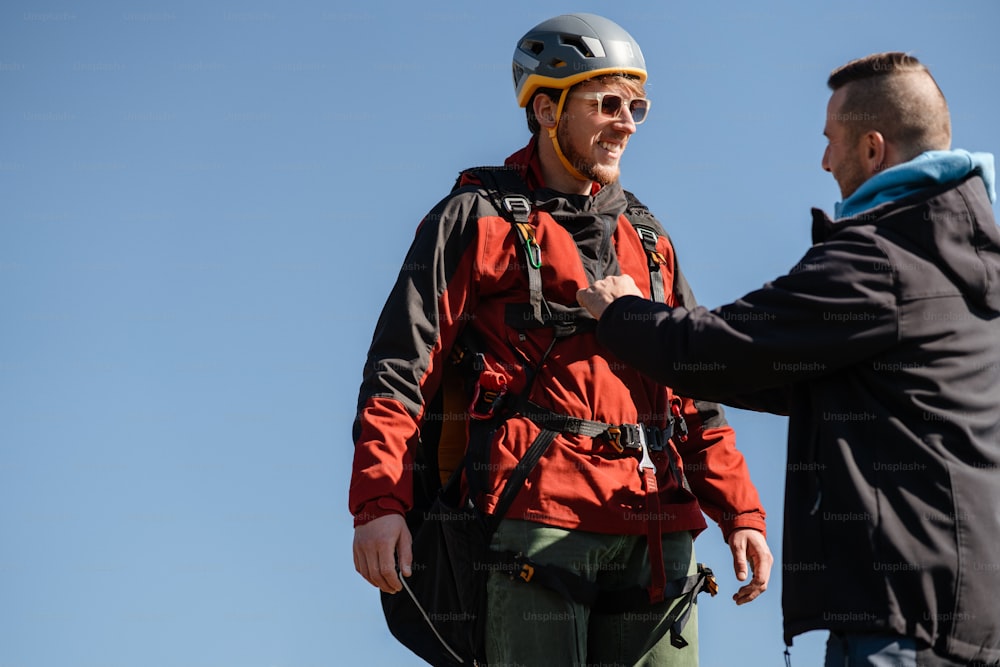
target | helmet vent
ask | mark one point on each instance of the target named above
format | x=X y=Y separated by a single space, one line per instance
x=532 y=45
x=578 y=44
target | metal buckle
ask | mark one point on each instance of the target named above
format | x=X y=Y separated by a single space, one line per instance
x=517 y=205
x=655 y=438
x=645 y=463
x=646 y=235
x=632 y=439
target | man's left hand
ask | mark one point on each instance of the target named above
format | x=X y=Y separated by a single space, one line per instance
x=599 y=296
x=749 y=545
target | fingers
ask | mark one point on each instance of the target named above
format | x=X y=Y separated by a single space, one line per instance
x=406 y=554
x=740 y=561
x=383 y=569
x=763 y=562
x=750 y=551
x=375 y=545
x=377 y=566
x=602 y=293
x=752 y=590
x=748 y=593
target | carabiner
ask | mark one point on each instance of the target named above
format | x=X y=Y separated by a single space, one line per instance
x=534 y=252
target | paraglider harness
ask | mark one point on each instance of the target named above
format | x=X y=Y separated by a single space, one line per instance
x=491 y=404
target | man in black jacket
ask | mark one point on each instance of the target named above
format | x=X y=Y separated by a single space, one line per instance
x=882 y=345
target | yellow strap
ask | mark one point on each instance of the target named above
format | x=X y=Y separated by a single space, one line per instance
x=451 y=447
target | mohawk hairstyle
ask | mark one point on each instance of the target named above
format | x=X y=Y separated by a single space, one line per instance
x=893 y=93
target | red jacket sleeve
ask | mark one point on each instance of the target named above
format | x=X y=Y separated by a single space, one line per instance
x=418 y=325
x=717 y=471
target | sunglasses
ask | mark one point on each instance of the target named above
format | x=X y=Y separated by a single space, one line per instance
x=611 y=104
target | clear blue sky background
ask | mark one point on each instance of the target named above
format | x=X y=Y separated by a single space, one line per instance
x=202 y=208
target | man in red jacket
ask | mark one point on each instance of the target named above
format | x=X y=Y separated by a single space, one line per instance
x=616 y=501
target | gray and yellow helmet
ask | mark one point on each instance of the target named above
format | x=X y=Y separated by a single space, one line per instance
x=562 y=51
x=568 y=49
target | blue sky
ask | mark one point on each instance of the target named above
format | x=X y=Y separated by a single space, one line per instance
x=202 y=209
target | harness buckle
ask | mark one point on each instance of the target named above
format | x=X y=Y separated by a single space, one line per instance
x=656 y=438
x=680 y=427
x=523 y=568
x=624 y=436
x=648 y=236
x=517 y=205
x=633 y=437
x=485 y=401
x=711 y=585
x=645 y=462
x=614 y=436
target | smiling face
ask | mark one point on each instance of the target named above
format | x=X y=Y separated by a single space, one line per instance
x=593 y=142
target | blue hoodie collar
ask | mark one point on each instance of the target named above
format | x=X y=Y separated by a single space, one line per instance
x=927 y=169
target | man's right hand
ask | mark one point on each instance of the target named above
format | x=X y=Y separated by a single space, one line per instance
x=376 y=546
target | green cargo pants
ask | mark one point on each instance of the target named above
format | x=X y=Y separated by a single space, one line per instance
x=532 y=626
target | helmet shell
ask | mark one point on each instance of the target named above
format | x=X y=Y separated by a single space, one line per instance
x=562 y=51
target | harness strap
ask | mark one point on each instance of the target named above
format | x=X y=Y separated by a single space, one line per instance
x=655 y=260
x=520 y=475
x=512 y=199
x=619 y=436
x=654 y=521
x=649 y=233
x=575 y=588
x=562 y=423
x=569 y=585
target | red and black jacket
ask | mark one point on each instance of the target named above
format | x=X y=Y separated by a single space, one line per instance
x=465 y=270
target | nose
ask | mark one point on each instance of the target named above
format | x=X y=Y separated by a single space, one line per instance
x=826 y=159
x=624 y=121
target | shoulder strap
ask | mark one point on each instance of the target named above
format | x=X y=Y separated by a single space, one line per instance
x=511 y=197
x=649 y=230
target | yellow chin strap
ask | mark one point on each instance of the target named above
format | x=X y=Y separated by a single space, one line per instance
x=553 y=135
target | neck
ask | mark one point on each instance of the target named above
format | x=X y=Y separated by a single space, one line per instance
x=555 y=174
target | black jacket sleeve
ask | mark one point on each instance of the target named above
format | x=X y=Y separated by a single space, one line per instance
x=834 y=309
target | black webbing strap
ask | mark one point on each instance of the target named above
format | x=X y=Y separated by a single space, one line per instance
x=512 y=199
x=560 y=423
x=577 y=589
x=519 y=476
x=649 y=232
x=480 y=439
x=570 y=586
x=563 y=320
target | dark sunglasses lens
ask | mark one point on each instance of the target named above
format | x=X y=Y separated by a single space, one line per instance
x=611 y=105
x=638 y=110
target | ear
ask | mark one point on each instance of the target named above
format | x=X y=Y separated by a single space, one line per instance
x=545 y=111
x=873 y=151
